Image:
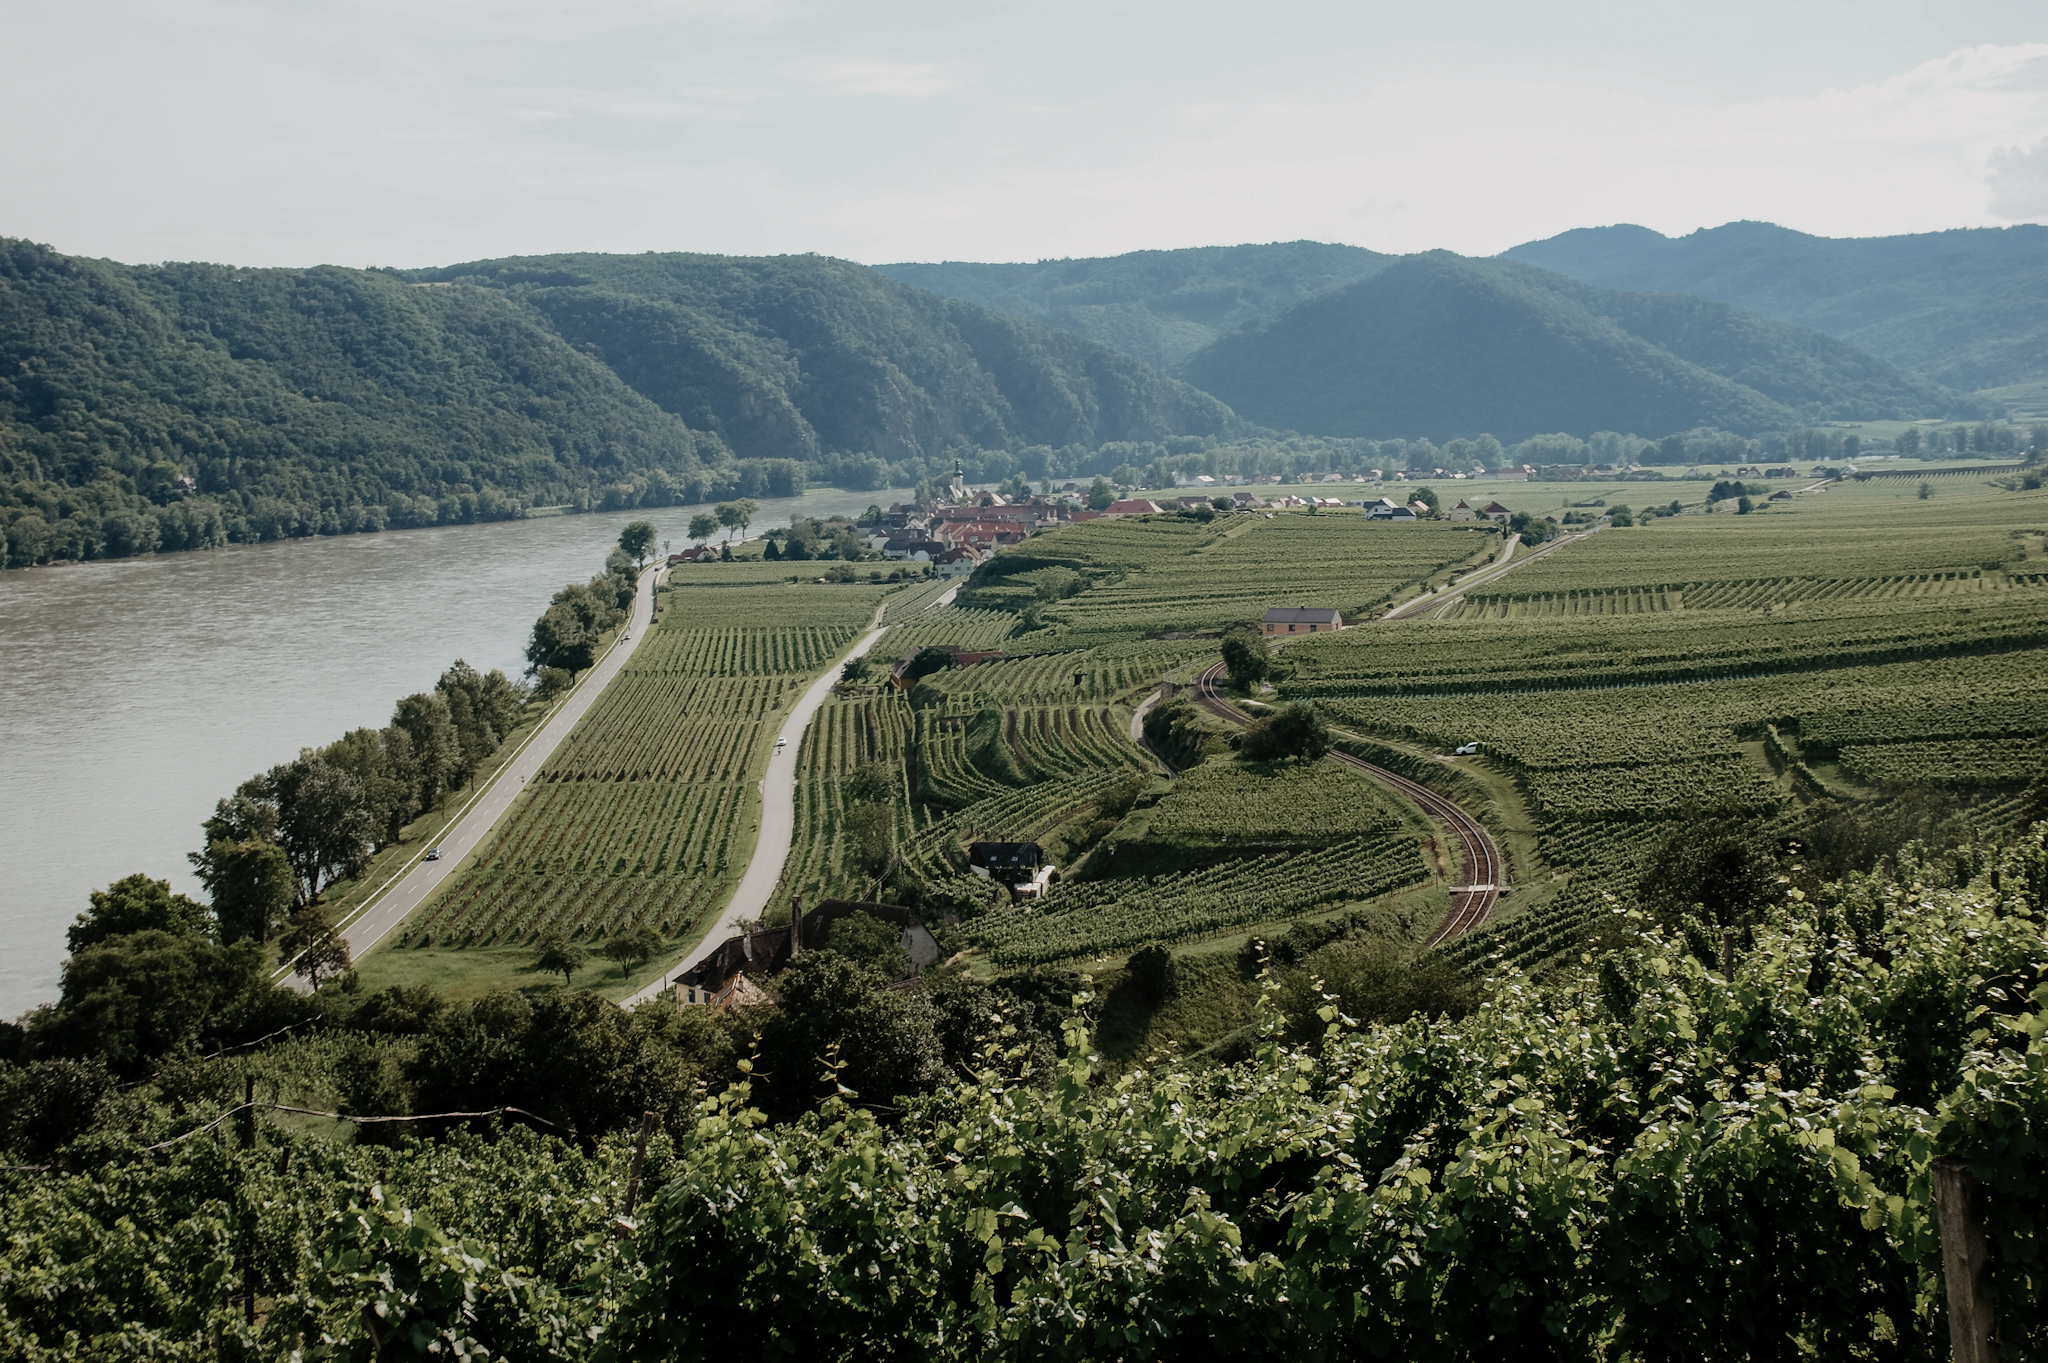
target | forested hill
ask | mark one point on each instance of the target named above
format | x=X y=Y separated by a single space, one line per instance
x=1967 y=307
x=1160 y=306
x=795 y=357
x=1444 y=346
x=297 y=400
x=182 y=406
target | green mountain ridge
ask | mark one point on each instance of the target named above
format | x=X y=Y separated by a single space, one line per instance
x=1968 y=308
x=1445 y=346
x=1160 y=306
x=185 y=405
x=794 y=357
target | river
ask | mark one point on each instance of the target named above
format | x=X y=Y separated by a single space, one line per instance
x=142 y=690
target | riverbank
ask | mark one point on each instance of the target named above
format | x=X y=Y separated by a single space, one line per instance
x=143 y=690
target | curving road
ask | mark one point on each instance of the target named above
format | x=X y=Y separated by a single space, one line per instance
x=488 y=802
x=1479 y=859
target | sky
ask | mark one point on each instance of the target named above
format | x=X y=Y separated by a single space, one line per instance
x=417 y=132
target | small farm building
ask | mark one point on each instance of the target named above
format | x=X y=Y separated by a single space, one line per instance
x=1301 y=620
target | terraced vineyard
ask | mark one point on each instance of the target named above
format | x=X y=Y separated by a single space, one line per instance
x=1871 y=654
x=644 y=815
x=1114 y=916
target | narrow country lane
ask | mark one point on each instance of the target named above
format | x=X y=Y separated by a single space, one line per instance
x=488 y=803
x=1433 y=602
x=778 y=814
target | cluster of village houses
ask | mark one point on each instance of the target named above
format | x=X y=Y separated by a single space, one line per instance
x=961 y=529
x=957 y=534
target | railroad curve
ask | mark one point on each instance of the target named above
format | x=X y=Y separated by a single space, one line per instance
x=1482 y=866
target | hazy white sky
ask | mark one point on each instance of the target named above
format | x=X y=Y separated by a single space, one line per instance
x=409 y=132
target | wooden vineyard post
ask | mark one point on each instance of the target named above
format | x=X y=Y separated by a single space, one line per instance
x=1964 y=1258
x=639 y=1157
x=1728 y=954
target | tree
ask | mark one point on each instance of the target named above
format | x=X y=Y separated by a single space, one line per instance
x=1427 y=496
x=1533 y=529
x=252 y=886
x=629 y=949
x=560 y=639
x=736 y=515
x=1297 y=732
x=703 y=526
x=1245 y=656
x=871 y=836
x=138 y=904
x=870 y=783
x=873 y=942
x=483 y=708
x=320 y=951
x=887 y=1041
x=1723 y=871
x=928 y=660
x=325 y=825
x=636 y=539
x=382 y=763
x=1100 y=495
x=142 y=995
x=556 y=955
x=856 y=669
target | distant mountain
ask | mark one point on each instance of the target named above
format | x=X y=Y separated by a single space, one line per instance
x=1160 y=306
x=1968 y=308
x=178 y=406
x=795 y=357
x=1444 y=346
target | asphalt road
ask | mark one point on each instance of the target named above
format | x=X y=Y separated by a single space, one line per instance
x=415 y=885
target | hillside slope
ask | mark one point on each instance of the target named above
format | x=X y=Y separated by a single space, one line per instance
x=1160 y=306
x=1968 y=308
x=795 y=357
x=1443 y=346
x=316 y=390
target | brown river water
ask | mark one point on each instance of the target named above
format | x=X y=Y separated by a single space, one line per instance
x=140 y=691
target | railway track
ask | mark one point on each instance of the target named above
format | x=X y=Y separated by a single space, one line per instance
x=1481 y=865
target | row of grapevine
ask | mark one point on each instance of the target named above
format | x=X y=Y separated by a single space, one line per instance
x=2007 y=762
x=1747 y=595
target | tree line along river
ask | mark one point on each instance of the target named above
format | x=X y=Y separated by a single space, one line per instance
x=142 y=690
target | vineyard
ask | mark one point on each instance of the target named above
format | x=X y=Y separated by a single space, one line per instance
x=1161 y=575
x=643 y=817
x=1887 y=645
x=1224 y=803
x=1114 y=916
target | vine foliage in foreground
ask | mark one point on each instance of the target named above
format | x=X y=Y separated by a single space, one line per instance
x=1656 y=1162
